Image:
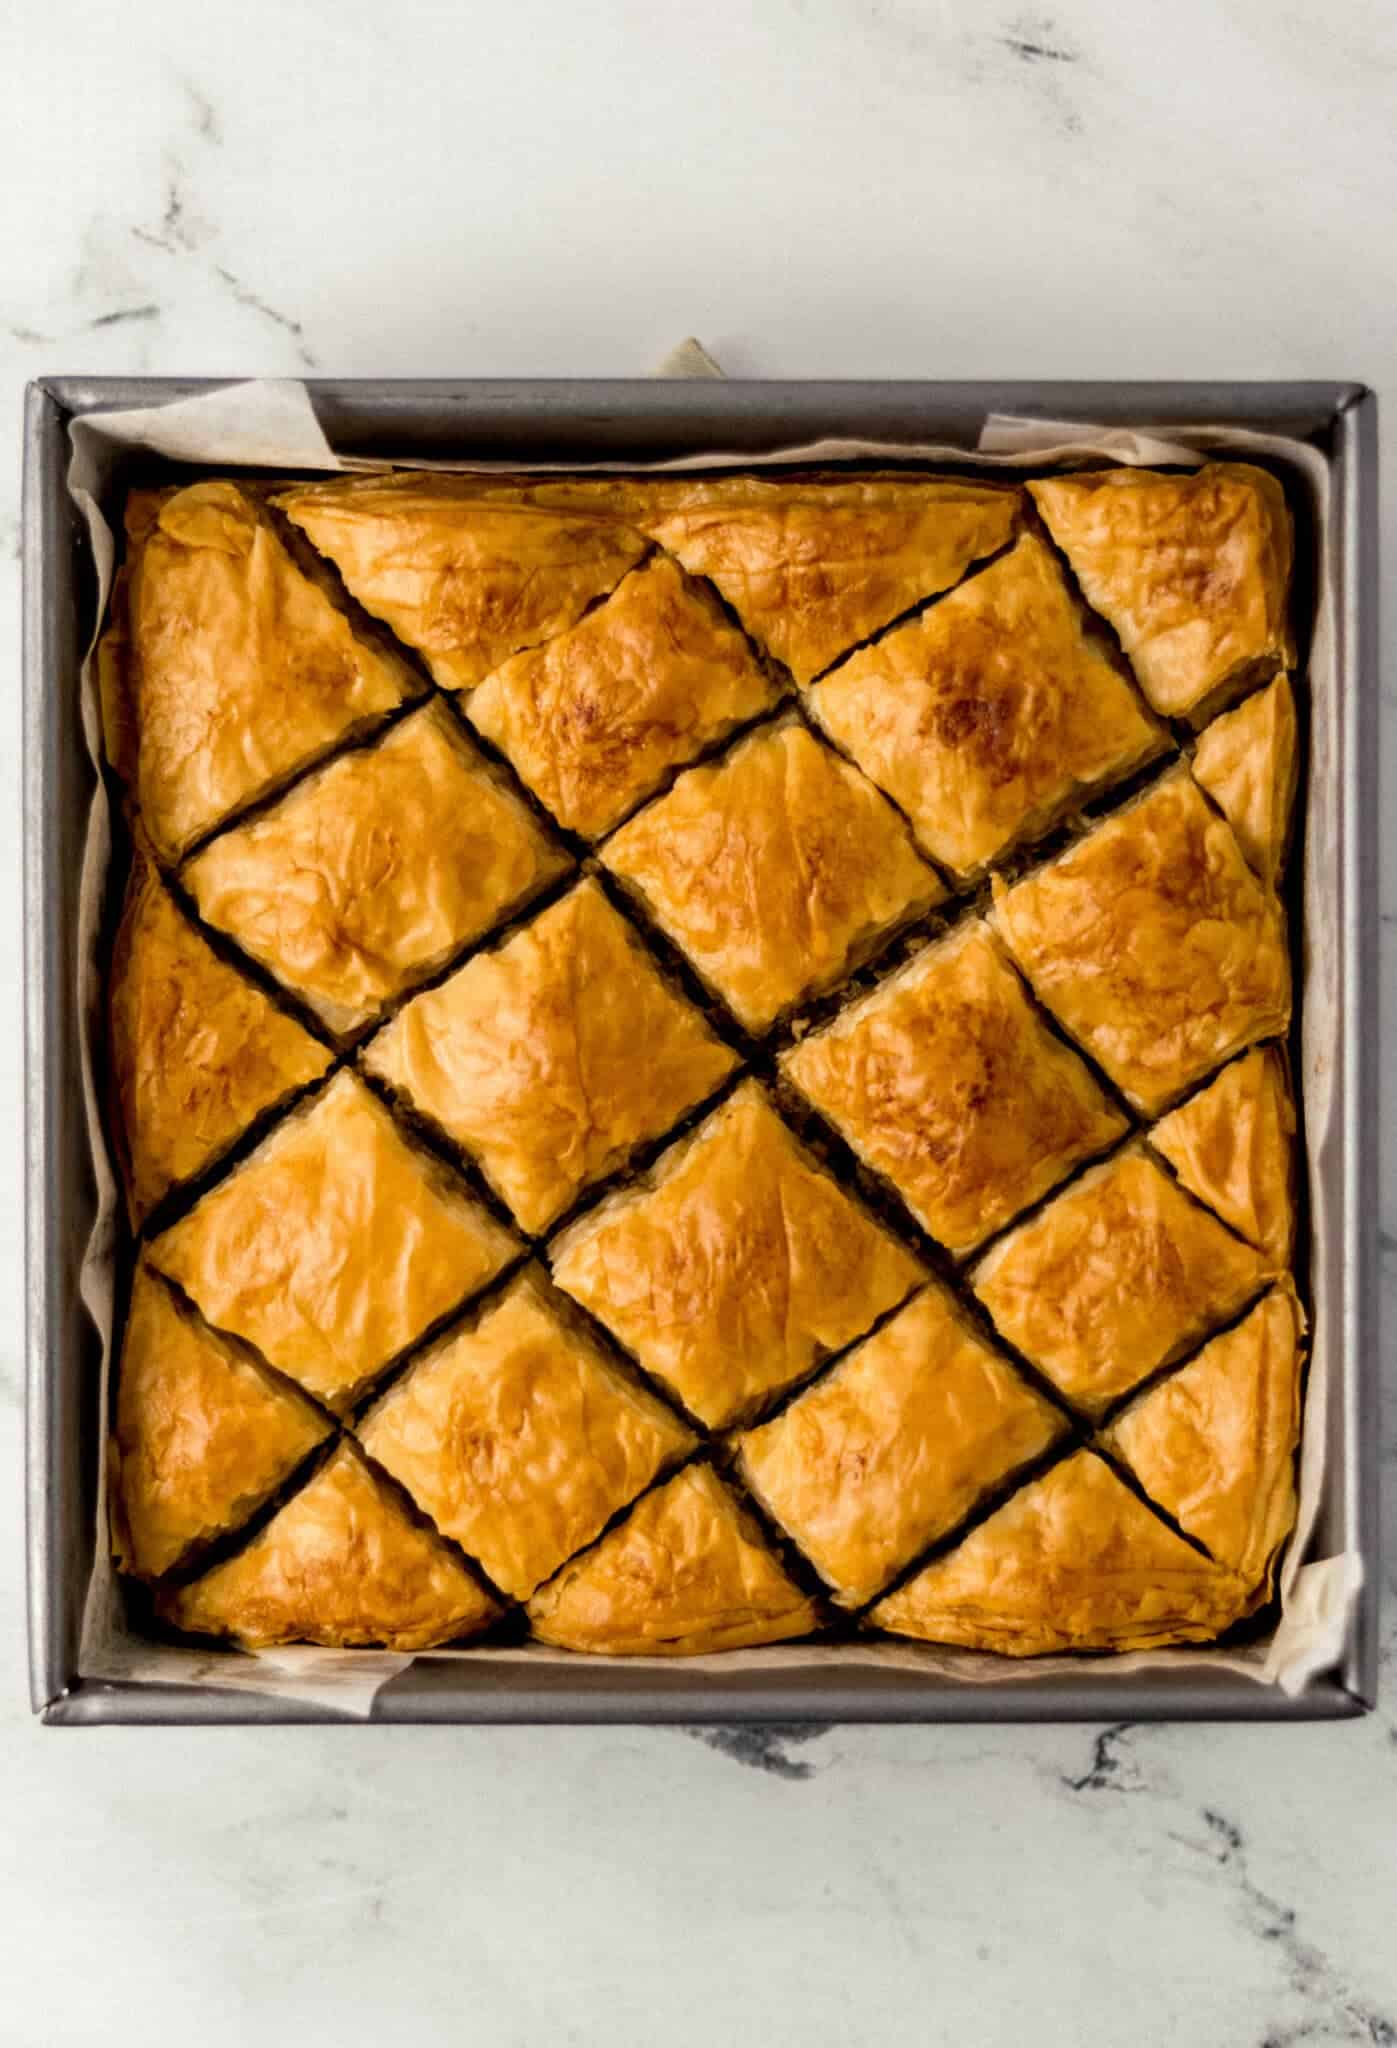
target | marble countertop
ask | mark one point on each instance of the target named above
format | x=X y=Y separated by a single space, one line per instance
x=816 y=187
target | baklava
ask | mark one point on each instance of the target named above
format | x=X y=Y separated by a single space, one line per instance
x=696 y=1063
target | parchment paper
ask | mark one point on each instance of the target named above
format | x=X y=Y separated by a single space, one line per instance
x=273 y=424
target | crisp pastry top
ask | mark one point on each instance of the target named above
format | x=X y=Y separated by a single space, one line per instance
x=553 y=1056
x=946 y=1082
x=1248 y=761
x=520 y=1437
x=596 y=718
x=1153 y=943
x=1071 y=1562
x=335 y=1245
x=687 y=1571
x=896 y=1445
x=198 y=1051
x=1193 y=570
x=203 y=1435
x=466 y=576
x=737 y=1266
x=1215 y=1442
x=594 y=1148
x=1233 y=1145
x=226 y=668
x=988 y=713
x=342 y=1562
x=773 y=869
x=1116 y=1276
x=812 y=565
x=376 y=869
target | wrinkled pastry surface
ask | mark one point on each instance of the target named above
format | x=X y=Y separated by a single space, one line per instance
x=896 y=1445
x=1072 y=1562
x=987 y=714
x=738 y=1267
x=551 y=1057
x=521 y=1438
x=1153 y=943
x=772 y=868
x=946 y=1082
x=340 y=1563
x=686 y=1572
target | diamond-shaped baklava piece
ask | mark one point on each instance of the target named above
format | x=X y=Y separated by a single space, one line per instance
x=1214 y=1443
x=896 y=1445
x=465 y=575
x=1071 y=1562
x=774 y=870
x=203 y=1434
x=946 y=1081
x=595 y=719
x=989 y=714
x=1248 y=761
x=1153 y=943
x=343 y=1564
x=335 y=1245
x=736 y=1265
x=226 y=668
x=198 y=1052
x=520 y=1437
x=1193 y=571
x=812 y=565
x=554 y=1056
x=1116 y=1276
x=1233 y=1145
x=376 y=869
x=687 y=1571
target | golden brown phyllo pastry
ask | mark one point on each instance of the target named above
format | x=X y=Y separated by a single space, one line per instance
x=1153 y=943
x=700 y=1061
x=1193 y=571
x=199 y=1053
x=227 y=667
x=774 y=870
x=987 y=715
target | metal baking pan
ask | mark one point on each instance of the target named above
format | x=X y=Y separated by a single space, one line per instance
x=622 y=422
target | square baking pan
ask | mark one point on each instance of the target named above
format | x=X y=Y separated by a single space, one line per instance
x=621 y=423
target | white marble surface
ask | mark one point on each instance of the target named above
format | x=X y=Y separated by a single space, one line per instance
x=815 y=187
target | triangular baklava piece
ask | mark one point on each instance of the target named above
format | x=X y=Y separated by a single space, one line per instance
x=226 y=667
x=198 y=1051
x=1248 y=761
x=335 y=1245
x=1072 y=1562
x=1233 y=1145
x=1192 y=570
x=812 y=565
x=342 y=1564
x=465 y=575
x=203 y=1434
x=1215 y=1442
x=990 y=713
x=687 y=1571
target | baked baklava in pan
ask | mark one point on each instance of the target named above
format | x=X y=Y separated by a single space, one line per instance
x=701 y=1062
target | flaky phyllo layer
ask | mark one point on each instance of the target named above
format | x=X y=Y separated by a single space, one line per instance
x=698 y=1063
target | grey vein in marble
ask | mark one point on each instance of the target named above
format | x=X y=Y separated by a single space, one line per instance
x=765 y=1746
